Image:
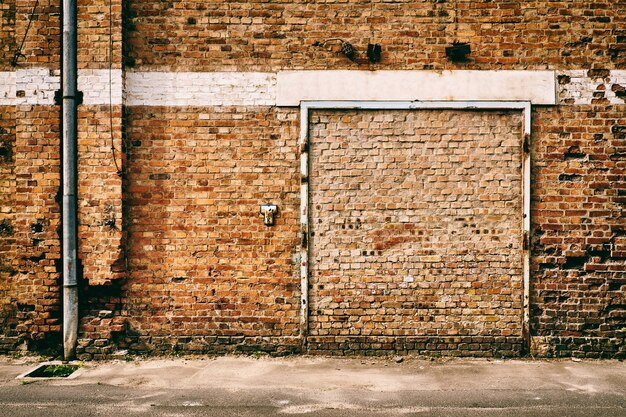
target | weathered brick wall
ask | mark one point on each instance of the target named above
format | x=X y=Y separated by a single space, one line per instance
x=7 y=226
x=99 y=31
x=578 y=265
x=416 y=230
x=30 y=281
x=266 y=36
x=36 y=282
x=205 y=274
x=41 y=44
x=100 y=160
x=7 y=33
x=579 y=231
x=99 y=187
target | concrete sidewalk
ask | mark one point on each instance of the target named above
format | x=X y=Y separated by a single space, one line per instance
x=319 y=386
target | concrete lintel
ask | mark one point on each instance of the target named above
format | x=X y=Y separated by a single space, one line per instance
x=536 y=87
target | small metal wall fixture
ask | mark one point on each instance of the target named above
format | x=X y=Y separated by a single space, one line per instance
x=374 y=52
x=268 y=211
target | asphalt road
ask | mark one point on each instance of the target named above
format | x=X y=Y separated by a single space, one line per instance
x=314 y=386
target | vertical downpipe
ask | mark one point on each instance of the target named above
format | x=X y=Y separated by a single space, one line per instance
x=69 y=141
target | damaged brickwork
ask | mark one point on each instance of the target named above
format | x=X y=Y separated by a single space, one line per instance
x=579 y=234
x=174 y=255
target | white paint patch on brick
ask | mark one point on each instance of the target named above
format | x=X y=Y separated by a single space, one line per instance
x=200 y=89
x=7 y=87
x=36 y=86
x=537 y=87
x=95 y=86
x=580 y=88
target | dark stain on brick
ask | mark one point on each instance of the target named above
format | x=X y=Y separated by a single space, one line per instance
x=6 y=229
x=24 y=308
x=547 y=265
x=555 y=296
x=570 y=177
x=601 y=19
x=619 y=90
x=564 y=79
x=574 y=262
x=598 y=73
x=619 y=131
x=617 y=155
x=159 y=41
x=616 y=284
x=37 y=258
x=574 y=152
x=583 y=41
x=602 y=251
x=160 y=176
x=617 y=53
x=36 y=227
x=6 y=152
x=7 y=269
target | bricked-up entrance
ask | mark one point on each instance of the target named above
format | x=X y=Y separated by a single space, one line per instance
x=416 y=230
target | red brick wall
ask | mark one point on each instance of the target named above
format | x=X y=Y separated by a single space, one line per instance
x=167 y=300
x=578 y=260
x=416 y=223
x=204 y=272
x=99 y=188
x=7 y=34
x=35 y=296
x=266 y=36
x=42 y=43
x=7 y=226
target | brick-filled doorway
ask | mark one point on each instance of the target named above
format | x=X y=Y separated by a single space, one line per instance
x=416 y=230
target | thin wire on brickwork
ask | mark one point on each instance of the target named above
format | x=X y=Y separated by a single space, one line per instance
x=18 y=52
x=117 y=168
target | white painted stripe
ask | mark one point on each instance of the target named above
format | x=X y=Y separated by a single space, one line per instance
x=537 y=87
x=7 y=87
x=37 y=86
x=200 y=89
x=95 y=86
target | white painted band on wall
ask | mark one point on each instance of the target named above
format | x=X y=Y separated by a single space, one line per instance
x=536 y=87
x=575 y=87
x=36 y=86
x=7 y=87
x=95 y=86
x=200 y=89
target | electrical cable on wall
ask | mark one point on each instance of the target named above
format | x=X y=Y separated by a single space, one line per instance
x=117 y=168
x=19 y=53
